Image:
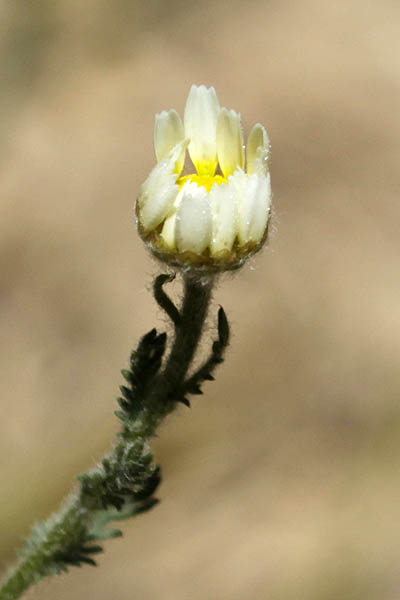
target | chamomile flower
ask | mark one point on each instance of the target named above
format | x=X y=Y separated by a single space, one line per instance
x=215 y=215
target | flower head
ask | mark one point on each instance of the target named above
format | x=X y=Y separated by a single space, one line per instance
x=215 y=215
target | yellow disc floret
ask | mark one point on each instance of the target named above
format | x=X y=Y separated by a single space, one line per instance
x=206 y=181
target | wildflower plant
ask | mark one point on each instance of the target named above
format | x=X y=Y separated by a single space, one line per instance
x=216 y=217
x=201 y=220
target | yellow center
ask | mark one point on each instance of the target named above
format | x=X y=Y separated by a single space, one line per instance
x=206 y=181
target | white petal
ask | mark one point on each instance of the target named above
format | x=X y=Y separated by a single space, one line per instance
x=158 y=192
x=238 y=183
x=229 y=141
x=223 y=202
x=194 y=221
x=163 y=171
x=258 y=146
x=200 y=120
x=168 y=131
x=254 y=204
x=168 y=231
x=157 y=206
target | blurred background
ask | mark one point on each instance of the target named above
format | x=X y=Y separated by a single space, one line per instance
x=283 y=481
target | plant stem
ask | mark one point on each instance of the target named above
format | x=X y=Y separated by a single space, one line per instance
x=196 y=299
x=61 y=531
x=33 y=567
x=19 y=581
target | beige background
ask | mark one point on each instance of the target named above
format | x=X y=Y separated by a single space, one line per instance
x=283 y=481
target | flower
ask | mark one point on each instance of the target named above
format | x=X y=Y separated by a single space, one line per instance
x=216 y=217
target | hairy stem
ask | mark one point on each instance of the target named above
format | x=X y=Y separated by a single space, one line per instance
x=35 y=564
x=196 y=299
x=66 y=538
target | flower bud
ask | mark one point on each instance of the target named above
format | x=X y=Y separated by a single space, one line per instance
x=217 y=217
